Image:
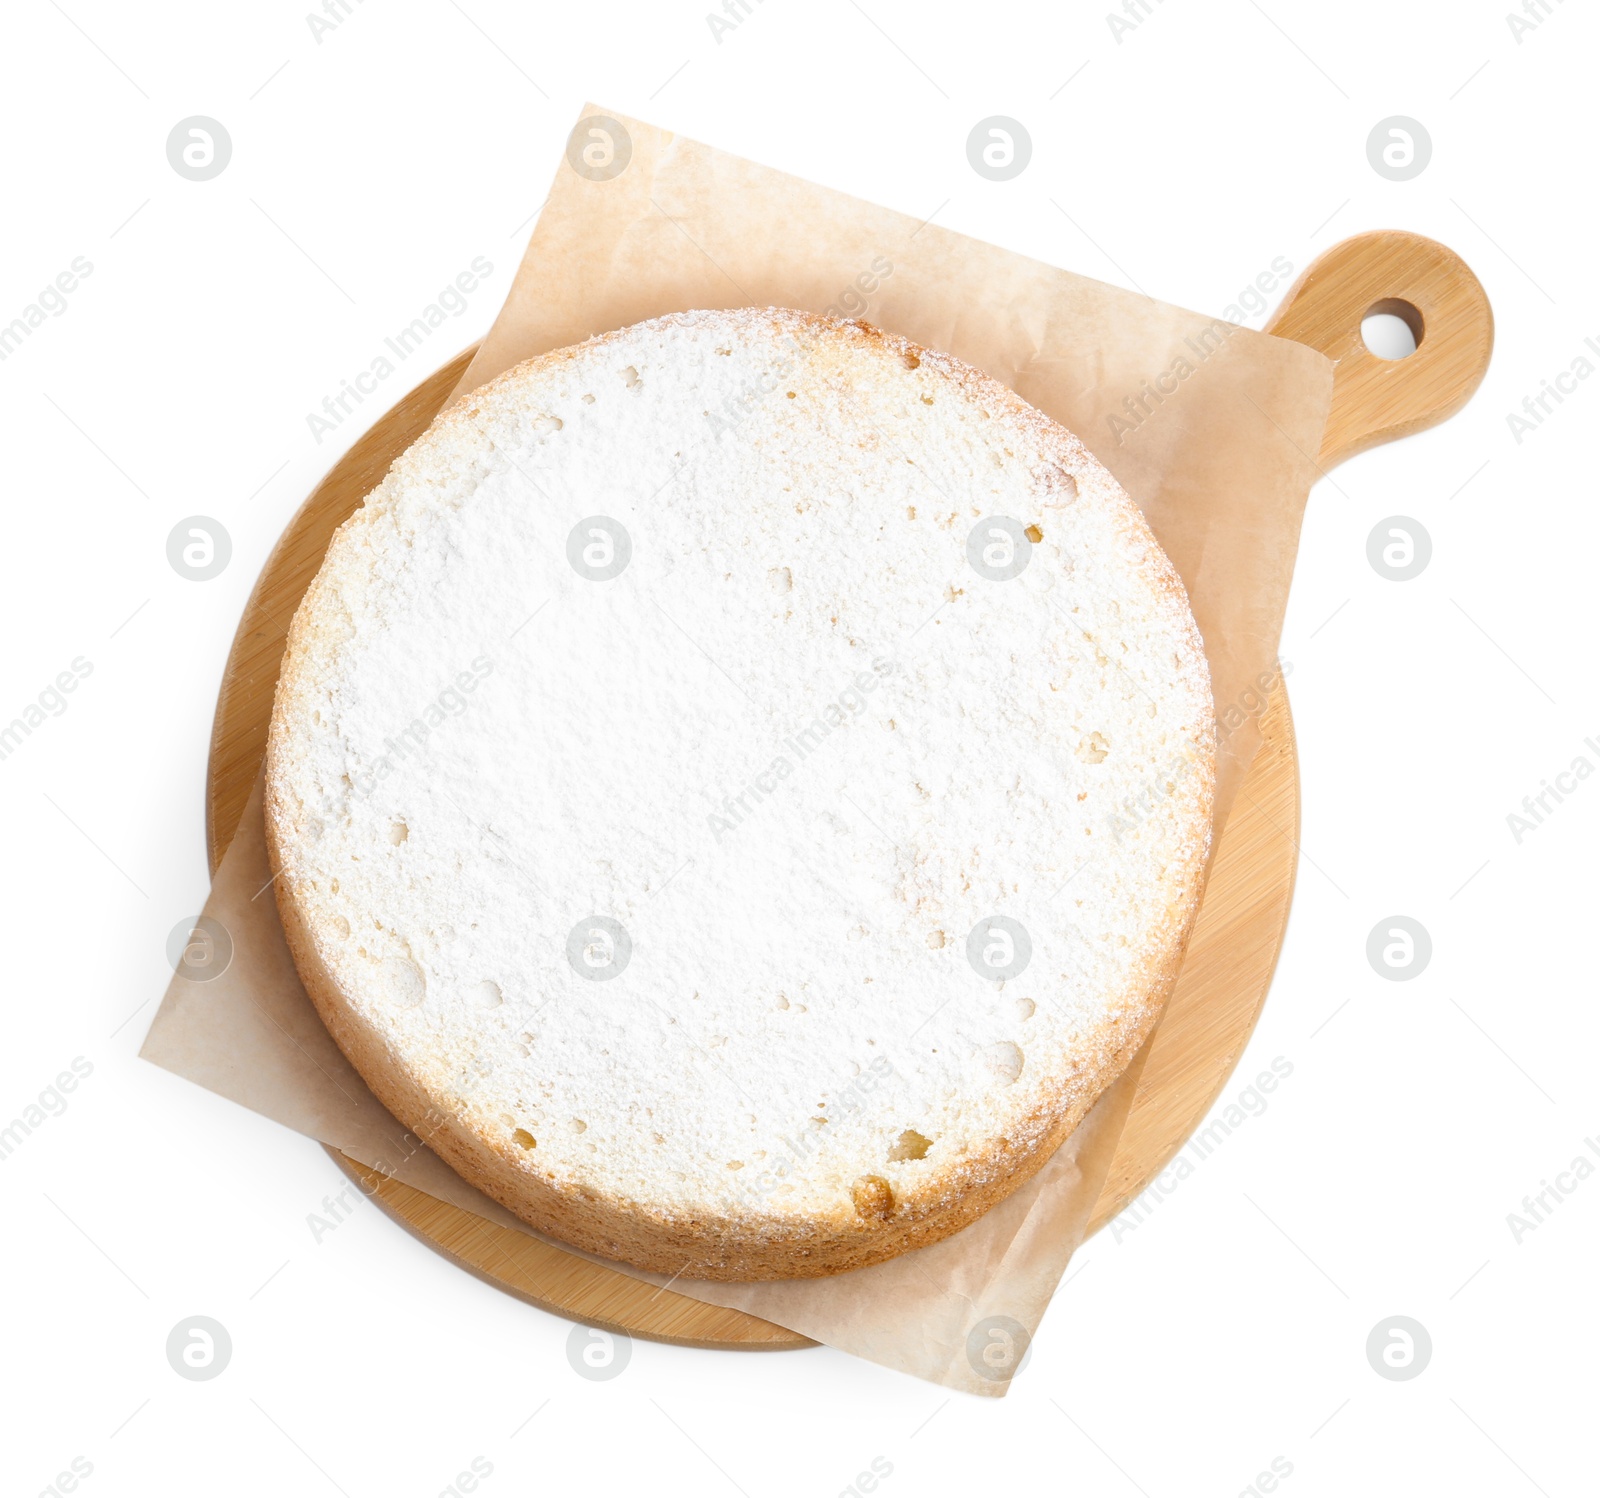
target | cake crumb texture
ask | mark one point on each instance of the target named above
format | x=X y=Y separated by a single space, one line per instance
x=695 y=823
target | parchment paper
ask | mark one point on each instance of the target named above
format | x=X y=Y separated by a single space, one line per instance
x=1211 y=428
x=252 y=1034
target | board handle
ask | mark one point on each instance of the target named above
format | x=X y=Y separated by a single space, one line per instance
x=1432 y=289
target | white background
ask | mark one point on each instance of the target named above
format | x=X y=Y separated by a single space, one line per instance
x=1230 y=1327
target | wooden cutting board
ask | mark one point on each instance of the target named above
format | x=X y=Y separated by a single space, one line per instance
x=1240 y=928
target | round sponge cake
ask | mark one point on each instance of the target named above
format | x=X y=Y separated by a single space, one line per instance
x=741 y=787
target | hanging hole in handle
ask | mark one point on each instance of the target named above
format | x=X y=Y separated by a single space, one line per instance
x=1392 y=329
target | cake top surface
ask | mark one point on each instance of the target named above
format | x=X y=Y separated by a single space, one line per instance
x=744 y=753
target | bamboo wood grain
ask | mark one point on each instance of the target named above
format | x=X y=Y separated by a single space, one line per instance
x=1239 y=933
x=1427 y=285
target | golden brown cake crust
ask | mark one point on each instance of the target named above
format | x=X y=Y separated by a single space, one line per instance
x=649 y=1234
